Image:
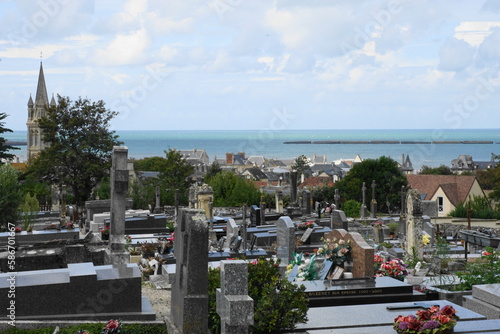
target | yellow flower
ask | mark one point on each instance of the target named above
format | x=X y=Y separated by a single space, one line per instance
x=426 y=239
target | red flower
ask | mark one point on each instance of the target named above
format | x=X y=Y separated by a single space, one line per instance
x=113 y=324
x=424 y=314
x=443 y=319
x=448 y=310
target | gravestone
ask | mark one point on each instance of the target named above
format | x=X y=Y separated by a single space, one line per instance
x=378 y=233
x=339 y=220
x=255 y=215
x=306 y=202
x=117 y=255
x=364 y=210
x=232 y=230
x=279 y=201
x=373 y=204
x=414 y=223
x=204 y=196
x=285 y=240
x=336 y=198
x=189 y=297
x=362 y=253
x=430 y=208
x=234 y=306
x=485 y=299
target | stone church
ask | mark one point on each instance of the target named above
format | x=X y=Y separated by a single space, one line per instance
x=36 y=110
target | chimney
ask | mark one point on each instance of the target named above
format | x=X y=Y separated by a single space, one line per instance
x=229 y=158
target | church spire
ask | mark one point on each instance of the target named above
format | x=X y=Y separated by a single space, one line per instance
x=41 y=98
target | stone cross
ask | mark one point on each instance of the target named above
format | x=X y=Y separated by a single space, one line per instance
x=336 y=198
x=157 y=200
x=373 y=206
x=285 y=240
x=363 y=191
x=119 y=189
x=234 y=306
x=189 y=297
x=414 y=223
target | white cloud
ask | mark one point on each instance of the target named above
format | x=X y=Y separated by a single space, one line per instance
x=474 y=33
x=123 y=49
x=455 y=55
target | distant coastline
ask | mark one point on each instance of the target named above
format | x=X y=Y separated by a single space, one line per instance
x=424 y=147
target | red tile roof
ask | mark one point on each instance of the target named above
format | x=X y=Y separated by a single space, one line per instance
x=316 y=181
x=456 y=187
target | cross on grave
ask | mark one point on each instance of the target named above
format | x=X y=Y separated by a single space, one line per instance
x=363 y=210
x=336 y=198
x=373 y=206
x=234 y=306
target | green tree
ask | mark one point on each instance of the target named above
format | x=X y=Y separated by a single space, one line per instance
x=151 y=164
x=29 y=209
x=213 y=170
x=30 y=185
x=231 y=190
x=142 y=193
x=10 y=195
x=4 y=148
x=81 y=145
x=176 y=174
x=352 y=208
x=441 y=170
x=388 y=179
x=301 y=165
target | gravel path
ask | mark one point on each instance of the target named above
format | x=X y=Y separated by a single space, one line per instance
x=159 y=299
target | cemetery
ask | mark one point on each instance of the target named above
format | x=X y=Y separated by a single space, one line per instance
x=227 y=268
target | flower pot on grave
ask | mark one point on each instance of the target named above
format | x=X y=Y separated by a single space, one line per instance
x=135 y=258
x=104 y=236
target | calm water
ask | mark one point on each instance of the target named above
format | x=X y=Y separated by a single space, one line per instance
x=271 y=143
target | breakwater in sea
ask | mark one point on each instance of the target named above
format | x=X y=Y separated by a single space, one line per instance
x=389 y=142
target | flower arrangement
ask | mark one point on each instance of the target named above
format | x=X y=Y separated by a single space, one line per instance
x=394 y=268
x=17 y=229
x=430 y=321
x=69 y=226
x=377 y=262
x=305 y=225
x=112 y=327
x=336 y=250
x=105 y=230
x=307 y=268
x=426 y=239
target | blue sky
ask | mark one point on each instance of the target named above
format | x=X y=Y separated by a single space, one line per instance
x=261 y=64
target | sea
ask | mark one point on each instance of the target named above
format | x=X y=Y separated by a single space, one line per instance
x=430 y=147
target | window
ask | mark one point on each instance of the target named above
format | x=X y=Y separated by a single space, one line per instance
x=440 y=204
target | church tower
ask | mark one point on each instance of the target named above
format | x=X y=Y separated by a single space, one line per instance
x=37 y=110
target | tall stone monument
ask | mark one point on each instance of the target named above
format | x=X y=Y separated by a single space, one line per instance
x=364 y=209
x=117 y=255
x=279 y=201
x=189 y=301
x=373 y=204
x=414 y=223
x=285 y=241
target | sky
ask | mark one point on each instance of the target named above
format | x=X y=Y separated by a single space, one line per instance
x=260 y=64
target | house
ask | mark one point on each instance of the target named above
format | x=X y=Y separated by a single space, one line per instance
x=316 y=182
x=447 y=190
x=233 y=162
x=195 y=156
x=463 y=163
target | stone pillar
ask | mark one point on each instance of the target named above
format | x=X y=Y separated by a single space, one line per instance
x=373 y=206
x=414 y=223
x=119 y=189
x=364 y=209
x=232 y=230
x=285 y=240
x=293 y=188
x=279 y=201
x=157 y=200
x=262 y=213
x=205 y=197
x=189 y=301
x=336 y=198
x=234 y=306
x=244 y=228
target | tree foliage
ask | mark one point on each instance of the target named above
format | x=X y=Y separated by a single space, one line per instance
x=175 y=174
x=81 y=145
x=231 y=190
x=441 y=170
x=388 y=179
x=151 y=164
x=10 y=195
x=302 y=165
x=4 y=148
